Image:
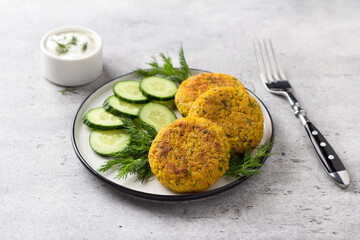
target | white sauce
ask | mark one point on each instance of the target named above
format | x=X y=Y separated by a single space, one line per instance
x=71 y=45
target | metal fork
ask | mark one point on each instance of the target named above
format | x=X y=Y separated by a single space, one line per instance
x=276 y=82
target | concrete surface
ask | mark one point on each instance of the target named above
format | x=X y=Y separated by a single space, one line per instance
x=46 y=193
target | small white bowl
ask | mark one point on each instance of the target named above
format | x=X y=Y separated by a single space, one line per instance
x=75 y=71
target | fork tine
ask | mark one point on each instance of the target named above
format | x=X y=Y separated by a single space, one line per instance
x=261 y=68
x=282 y=74
x=268 y=73
x=271 y=63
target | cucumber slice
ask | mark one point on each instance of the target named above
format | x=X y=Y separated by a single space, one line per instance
x=158 y=88
x=108 y=142
x=119 y=107
x=98 y=118
x=156 y=114
x=129 y=91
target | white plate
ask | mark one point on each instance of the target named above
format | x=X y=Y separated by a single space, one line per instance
x=151 y=189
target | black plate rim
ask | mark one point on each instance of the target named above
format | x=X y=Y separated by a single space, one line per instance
x=150 y=196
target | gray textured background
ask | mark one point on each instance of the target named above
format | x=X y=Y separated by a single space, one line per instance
x=46 y=193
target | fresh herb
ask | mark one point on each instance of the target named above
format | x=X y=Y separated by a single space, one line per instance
x=134 y=158
x=68 y=91
x=84 y=47
x=61 y=49
x=73 y=41
x=251 y=104
x=64 y=48
x=247 y=165
x=167 y=69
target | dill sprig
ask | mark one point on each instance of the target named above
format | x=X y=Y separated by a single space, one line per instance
x=84 y=47
x=73 y=41
x=68 y=91
x=64 y=48
x=167 y=69
x=247 y=165
x=134 y=158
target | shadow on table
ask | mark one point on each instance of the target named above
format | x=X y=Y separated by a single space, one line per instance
x=231 y=203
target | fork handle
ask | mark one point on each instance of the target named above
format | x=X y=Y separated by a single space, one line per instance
x=328 y=157
x=326 y=153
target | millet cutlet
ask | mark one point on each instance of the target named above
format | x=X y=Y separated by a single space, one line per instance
x=235 y=111
x=194 y=86
x=190 y=154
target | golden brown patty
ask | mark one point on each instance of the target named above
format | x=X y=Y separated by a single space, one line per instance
x=190 y=154
x=192 y=87
x=235 y=111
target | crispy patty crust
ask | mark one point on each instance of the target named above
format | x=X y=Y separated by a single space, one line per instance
x=190 y=154
x=194 y=86
x=235 y=111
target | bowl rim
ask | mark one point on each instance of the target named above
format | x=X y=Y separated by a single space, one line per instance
x=68 y=29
